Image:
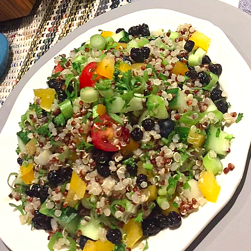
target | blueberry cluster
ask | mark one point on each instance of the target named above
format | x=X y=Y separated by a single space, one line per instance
x=41 y=221
x=139 y=55
x=137 y=30
x=38 y=191
x=56 y=177
x=156 y=222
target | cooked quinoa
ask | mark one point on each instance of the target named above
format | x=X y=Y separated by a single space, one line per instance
x=124 y=141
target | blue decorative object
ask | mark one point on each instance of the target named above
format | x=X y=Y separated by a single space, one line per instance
x=4 y=54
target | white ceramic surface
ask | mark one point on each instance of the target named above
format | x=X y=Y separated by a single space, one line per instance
x=234 y=80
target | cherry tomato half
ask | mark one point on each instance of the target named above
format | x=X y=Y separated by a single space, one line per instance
x=89 y=76
x=104 y=136
x=58 y=68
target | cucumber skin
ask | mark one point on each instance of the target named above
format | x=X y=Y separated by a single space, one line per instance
x=211 y=164
x=179 y=100
x=90 y=229
x=218 y=144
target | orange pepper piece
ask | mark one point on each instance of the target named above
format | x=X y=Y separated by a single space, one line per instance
x=124 y=67
x=105 y=67
x=121 y=45
x=47 y=96
x=106 y=34
x=133 y=232
x=27 y=173
x=180 y=68
x=201 y=40
x=130 y=147
x=101 y=110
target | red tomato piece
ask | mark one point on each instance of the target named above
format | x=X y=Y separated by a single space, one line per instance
x=58 y=68
x=89 y=76
x=104 y=136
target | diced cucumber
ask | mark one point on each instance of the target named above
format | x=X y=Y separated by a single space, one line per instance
x=212 y=163
x=132 y=44
x=143 y=41
x=216 y=141
x=183 y=133
x=122 y=34
x=106 y=94
x=89 y=95
x=21 y=145
x=143 y=116
x=98 y=42
x=163 y=202
x=174 y=35
x=196 y=58
x=179 y=99
x=160 y=44
x=211 y=107
x=90 y=229
x=69 y=218
x=156 y=106
x=115 y=106
x=212 y=83
x=135 y=104
x=66 y=108
x=162 y=191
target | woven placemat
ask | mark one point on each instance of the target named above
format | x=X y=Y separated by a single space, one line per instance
x=50 y=20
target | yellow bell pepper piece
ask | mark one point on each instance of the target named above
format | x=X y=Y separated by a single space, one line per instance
x=101 y=110
x=31 y=147
x=121 y=45
x=196 y=139
x=106 y=67
x=90 y=246
x=180 y=68
x=77 y=189
x=137 y=66
x=130 y=147
x=209 y=186
x=78 y=185
x=47 y=96
x=27 y=173
x=201 y=40
x=106 y=34
x=124 y=67
x=133 y=232
x=104 y=246
x=153 y=192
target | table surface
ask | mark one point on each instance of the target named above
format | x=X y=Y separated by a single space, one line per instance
x=230 y=230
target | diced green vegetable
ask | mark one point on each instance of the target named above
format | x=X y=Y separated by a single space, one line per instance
x=98 y=42
x=89 y=95
x=66 y=108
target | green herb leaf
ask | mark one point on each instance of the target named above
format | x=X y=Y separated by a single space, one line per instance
x=139 y=217
x=239 y=117
x=85 y=146
x=19 y=208
x=60 y=120
x=218 y=132
x=103 y=85
x=85 y=117
x=116 y=118
x=129 y=162
x=229 y=137
x=120 y=247
x=148 y=166
x=44 y=130
x=23 y=136
x=146 y=246
x=36 y=108
x=186 y=185
x=175 y=204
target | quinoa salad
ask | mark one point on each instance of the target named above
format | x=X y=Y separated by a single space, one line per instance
x=126 y=141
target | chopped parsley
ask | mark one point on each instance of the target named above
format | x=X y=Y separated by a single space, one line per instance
x=129 y=162
x=139 y=217
x=239 y=117
x=146 y=246
x=85 y=146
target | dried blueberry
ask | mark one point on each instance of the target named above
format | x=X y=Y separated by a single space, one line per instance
x=137 y=134
x=216 y=94
x=192 y=74
x=136 y=55
x=174 y=220
x=150 y=227
x=221 y=105
x=82 y=241
x=145 y=51
x=101 y=157
x=41 y=221
x=148 y=124
x=103 y=170
x=204 y=78
x=189 y=45
x=20 y=161
x=37 y=191
x=132 y=170
x=163 y=221
x=54 y=178
x=134 y=30
x=166 y=127
x=206 y=60
x=216 y=69
x=142 y=181
x=144 y=30
x=114 y=236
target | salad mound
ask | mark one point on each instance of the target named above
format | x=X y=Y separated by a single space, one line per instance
x=126 y=141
